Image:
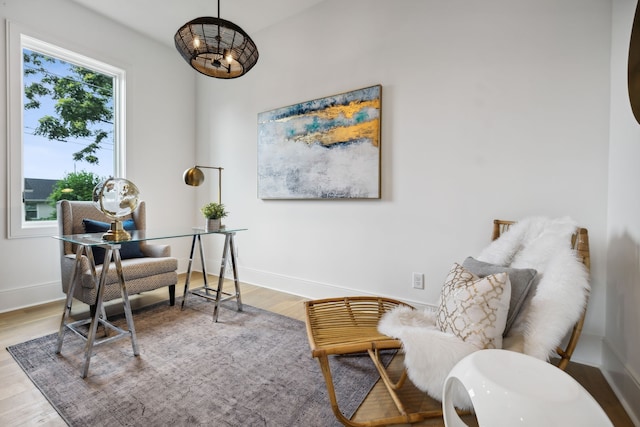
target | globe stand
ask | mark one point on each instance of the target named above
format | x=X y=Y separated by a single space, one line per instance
x=116 y=233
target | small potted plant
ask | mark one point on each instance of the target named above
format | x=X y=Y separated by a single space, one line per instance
x=213 y=212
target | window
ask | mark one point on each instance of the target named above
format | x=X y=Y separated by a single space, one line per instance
x=66 y=129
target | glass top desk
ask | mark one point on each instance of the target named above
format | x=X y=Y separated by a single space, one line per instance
x=84 y=242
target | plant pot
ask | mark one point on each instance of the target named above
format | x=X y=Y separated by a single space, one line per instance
x=212 y=224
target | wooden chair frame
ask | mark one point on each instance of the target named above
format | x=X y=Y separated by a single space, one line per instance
x=349 y=325
x=339 y=326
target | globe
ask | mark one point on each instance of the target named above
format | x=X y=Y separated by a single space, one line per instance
x=116 y=198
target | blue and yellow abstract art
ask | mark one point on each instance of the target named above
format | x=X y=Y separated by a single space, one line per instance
x=328 y=148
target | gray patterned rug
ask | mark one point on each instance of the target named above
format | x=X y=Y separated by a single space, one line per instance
x=252 y=368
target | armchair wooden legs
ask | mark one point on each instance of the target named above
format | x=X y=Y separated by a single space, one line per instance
x=172 y=295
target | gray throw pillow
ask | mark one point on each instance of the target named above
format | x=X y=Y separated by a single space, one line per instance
x=521 y=281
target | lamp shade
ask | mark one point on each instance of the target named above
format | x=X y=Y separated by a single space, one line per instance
x=193 y=176
x=216 y=47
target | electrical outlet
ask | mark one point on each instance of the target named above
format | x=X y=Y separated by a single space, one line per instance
x=418 y=281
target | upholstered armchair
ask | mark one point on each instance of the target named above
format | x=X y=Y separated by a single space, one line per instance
x=145 y=266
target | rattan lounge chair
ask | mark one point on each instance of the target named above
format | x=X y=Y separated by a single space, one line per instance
x=344 y=326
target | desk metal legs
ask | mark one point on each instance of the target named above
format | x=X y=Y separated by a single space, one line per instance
x=206 y=291
x=99 y=317
x=228 y=250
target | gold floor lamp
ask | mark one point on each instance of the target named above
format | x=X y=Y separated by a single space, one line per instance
x=194 y=176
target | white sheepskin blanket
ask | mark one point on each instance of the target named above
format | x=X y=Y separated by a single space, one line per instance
x=561 y=288
x=429 y=354
x=550 y=311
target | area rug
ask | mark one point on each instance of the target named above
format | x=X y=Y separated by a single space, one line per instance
x=252 y=368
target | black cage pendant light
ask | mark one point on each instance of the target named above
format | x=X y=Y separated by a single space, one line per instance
x=216 y=48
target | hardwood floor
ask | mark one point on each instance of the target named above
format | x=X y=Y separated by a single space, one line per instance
x=22 y=404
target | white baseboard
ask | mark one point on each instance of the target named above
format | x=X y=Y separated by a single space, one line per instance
x=305 y=288
x=589 y=350
x=625 y=385
x=28 y=296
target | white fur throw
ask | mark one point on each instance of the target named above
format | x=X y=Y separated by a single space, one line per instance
x=429 y=354
x=552 y=308
x=561 y=287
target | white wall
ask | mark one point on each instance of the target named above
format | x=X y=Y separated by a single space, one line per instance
x=493 y=109
x=622 y=341
x=490 y=109
x=160 y=134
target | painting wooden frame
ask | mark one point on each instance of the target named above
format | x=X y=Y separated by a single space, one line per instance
x=327 y=148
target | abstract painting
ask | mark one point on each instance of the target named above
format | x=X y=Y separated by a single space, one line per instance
x=328 y=148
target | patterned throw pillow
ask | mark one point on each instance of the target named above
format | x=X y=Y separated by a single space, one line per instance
x=474 y=309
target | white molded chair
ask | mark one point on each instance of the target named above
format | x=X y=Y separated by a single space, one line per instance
x=511 y=389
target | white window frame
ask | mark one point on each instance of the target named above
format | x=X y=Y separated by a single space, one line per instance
x=19 y=37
